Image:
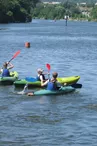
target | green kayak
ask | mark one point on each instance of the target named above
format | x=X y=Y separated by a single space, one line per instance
x=62 y=90
x=33 y=84
x=9 y=80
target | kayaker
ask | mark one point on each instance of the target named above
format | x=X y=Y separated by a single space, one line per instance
x=52 y=84
x=5 y=70
x=41 y=75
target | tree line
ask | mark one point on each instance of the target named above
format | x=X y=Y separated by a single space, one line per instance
x=16 y=10
x=58 y=11
x=74 y=1
x=12 y=11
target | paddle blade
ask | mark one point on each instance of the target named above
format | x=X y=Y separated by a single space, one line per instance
x=48 y=66
x=16 y=54
x=30 y=79
x=76 y=85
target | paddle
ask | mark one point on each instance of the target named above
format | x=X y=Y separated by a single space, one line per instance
x=15 y=55
x=76 y=85
x=49 y=68
x=30 y=79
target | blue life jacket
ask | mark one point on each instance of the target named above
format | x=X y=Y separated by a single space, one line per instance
x=38 y=77
x=51 y=86
x=5 y=73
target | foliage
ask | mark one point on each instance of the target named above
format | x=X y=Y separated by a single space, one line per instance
x=16 y=10
x=25 y=10
x=73 y=1
x=94 y=13
x=58 y=11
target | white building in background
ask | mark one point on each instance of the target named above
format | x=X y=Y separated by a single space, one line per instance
x=82 y=3
x=53 y=3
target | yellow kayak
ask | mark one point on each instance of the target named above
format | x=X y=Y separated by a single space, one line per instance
x=33 y=83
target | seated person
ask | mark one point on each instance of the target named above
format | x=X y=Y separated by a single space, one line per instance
x=51 y=84
x=5 y=70
x=40 y=76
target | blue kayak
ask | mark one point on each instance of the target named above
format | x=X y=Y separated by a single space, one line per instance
x=62 y=90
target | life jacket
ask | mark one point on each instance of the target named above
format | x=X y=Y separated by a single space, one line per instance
x=38 y=77
x=52 y=86
x=5 y=73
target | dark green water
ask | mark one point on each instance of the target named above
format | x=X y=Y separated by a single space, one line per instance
x=70 y=119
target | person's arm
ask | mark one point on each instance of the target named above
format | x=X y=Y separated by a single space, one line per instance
x=10 y=65
x=1 y=70
x=59 y=84
x=44 y=83
x=47 y=74
x=41 y=79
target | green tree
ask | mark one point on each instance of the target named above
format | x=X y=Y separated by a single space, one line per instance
x=94 y=13
x=16 y=10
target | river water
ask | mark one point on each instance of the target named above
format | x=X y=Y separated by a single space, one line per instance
x=63 y=120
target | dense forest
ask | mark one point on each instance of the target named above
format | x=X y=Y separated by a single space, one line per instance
x=16 y=10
